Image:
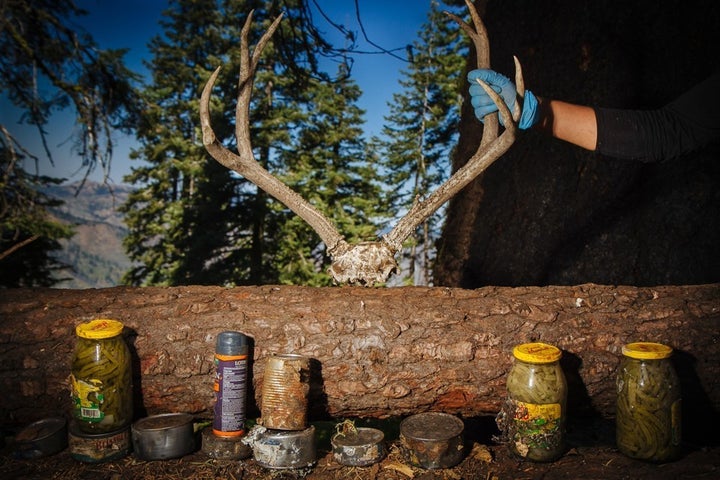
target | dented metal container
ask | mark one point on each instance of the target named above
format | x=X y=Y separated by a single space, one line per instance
x=432 y=440
x=285 y=386
x=359 y=447
x=42 y=438
x=163 y=436
x=284 y=449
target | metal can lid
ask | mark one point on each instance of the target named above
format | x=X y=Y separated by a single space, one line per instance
x=360 y=436
x=646 y=351
x=99 y=329
x=162 y=421
x=231 y=343
x=537 y=353
x=432 y=426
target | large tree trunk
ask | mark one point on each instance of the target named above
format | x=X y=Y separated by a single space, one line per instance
x=549 y=213
x=375 y=352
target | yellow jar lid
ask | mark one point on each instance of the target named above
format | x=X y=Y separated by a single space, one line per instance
x=646 y=351
x=537 y=353
x=99 y=329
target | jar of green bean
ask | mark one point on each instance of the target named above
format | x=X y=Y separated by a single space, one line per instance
x=647 y=421
x=533 y=418
x=101 y=377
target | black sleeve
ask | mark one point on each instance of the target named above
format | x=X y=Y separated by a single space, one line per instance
x=686 y=124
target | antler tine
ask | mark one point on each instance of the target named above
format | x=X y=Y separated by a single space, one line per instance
x=245 y=163
x=490 y=149
x=479 y=36
x=248 y=65
x=482 y=159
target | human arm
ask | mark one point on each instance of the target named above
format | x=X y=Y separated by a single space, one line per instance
x=684 y=125
x=566 y=121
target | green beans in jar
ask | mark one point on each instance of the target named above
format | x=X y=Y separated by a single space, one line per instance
x=533 y=417
x=647 y=423
x=101 y=377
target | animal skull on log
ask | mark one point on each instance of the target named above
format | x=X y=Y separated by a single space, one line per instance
x=364 y=263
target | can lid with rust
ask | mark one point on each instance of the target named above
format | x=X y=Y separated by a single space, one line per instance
x=432 y=440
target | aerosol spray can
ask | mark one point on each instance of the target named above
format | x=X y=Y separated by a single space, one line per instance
x=231 y=375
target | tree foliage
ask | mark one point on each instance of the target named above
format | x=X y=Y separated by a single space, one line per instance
x=49 y=64
x=194 y=222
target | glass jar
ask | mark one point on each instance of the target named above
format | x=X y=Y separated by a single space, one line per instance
x=101 y=377
x=648 y=418
x=533 y=418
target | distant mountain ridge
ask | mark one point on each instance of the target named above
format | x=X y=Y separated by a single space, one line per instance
x=95 y=253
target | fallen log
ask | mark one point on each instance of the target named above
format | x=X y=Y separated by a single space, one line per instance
x=374 y=352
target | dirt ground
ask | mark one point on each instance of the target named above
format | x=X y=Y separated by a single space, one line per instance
x=591 y=455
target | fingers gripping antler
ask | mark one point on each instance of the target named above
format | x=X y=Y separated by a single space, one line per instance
x=245 y=163
x=491 y=146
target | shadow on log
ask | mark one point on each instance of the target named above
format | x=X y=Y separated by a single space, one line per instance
x=376 y=352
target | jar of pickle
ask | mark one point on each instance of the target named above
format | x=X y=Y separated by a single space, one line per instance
x=648 y=403
x=533 y=418
x=101 y=377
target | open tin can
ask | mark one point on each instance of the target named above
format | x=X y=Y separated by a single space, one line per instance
x=359 y=447
x=42 y=438
x=432 y=440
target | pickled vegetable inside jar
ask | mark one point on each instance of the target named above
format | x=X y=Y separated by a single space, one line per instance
x=533 y=418
x=101 y=377
x=648 y=420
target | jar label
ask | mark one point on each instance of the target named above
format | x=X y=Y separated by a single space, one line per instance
x=230 y=389
x=87 y=397
x=536 y=426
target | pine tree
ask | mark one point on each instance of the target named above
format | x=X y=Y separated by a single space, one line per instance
x=420 y=132
x=193 y=221
x=165 y=212
x=331 y=168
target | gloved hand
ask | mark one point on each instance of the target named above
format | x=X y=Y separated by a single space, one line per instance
x=483 y=104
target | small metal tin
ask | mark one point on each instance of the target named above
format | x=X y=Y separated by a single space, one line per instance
x=224 y=448
x=358 y=448
x=42 y=438
x=164 y=436
x=432 y=440
x=282 y=449
x=98 y=447
x=285 y=386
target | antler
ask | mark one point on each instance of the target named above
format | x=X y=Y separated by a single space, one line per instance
x=491 y=146
x=245 y=163
x=365 y=263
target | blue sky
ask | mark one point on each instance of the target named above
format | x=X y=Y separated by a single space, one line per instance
x=131 y=23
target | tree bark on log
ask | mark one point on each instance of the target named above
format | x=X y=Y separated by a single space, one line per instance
x=374 y=352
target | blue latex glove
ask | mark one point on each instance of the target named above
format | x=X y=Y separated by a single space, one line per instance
x=483 y=104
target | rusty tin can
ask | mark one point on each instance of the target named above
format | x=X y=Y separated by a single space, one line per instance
x=285 y=387
x=432 y=440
